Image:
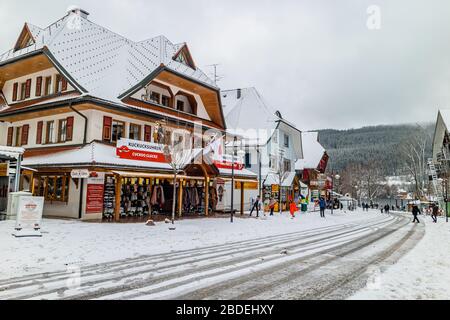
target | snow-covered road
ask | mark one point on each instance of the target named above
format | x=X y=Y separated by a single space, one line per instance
x=282 y=259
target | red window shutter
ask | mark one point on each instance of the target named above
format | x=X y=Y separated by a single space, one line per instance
x=38 y=86
x=147 y=133
x=28 y=88
x=39 y=132
x=69 y=129
x=10 y=136
x=15 y=90
x=63 y=84
x=25 y=130
x=107 y=123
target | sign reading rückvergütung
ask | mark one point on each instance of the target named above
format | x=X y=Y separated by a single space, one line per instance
x=29 y=217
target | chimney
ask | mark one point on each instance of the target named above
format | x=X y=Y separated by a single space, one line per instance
x=239 y=93
x=77 y=10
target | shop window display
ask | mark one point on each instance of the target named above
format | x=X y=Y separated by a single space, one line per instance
x=53 y=188
x=143 y=197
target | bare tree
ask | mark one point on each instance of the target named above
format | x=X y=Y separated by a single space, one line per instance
x=414 y=151
x=366 y=179
x=178 y=154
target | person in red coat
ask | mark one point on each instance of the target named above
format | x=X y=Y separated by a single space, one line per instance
x=293 y=209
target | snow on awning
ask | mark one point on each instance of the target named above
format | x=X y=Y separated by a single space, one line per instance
x=288 y=180
x=135 y=174
x=244 y=174
x=274 y=179
x=11 y=152
x=93 y=154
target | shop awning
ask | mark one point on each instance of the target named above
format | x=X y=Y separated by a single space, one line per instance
x=137 y=174
x=10 y=152
x=274 y=179
x=243 y=175
x=93 y=154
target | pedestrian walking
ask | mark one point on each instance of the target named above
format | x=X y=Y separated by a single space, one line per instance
x=255 y=206
x=272 y=204
x=415 y=212
x=293 y=209
x=434 y=212
x=386 y=209
x=323 y=206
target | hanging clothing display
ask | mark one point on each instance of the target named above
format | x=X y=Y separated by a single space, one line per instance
x=213 y=198
x=158 y=196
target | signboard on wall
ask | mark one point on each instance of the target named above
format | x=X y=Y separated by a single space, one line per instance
x=222 y=160
x=140 y=150
x=29 y=216
x=250 y=185
x=4 y=169
x=95 y=192
x=79 y=173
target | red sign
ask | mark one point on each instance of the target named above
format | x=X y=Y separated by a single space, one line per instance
x=229 y=165
x=139 y=150
x=95 y=192
x=94 y=198
x=125 y=153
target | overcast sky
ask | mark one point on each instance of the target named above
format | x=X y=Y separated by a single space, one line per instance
x=315 y=61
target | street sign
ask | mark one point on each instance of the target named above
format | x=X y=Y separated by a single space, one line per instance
x=79 y=173
x=4 y=169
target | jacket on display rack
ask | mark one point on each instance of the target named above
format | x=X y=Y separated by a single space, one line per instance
x=158 y=196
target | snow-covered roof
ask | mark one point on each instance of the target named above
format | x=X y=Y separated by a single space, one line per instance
x=274 y=179
x=442 y=126
x=91 y=154
x=312 y=151
x=100 y=154
x=102 y=62
x=238 y=173
x=11 y=152
x=245 y=110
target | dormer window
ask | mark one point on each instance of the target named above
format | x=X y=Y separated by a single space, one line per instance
x=155 y=97
x=165 y=101
x=180 y=105
x=25 y=39
x=184 y=56
x=181 y=58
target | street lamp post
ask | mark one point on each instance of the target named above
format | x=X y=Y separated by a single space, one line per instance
x=446 y=199
x=233 y=154
x=333 y=177
x=232 y=181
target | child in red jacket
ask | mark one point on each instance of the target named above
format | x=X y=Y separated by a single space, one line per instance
x=293 y=209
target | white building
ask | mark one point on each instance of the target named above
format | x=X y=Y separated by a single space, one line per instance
x=271 y=145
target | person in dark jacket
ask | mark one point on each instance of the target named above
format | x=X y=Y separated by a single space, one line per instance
x=434 y=212
x=323 y=206
x=255 y=206
x=415 y=212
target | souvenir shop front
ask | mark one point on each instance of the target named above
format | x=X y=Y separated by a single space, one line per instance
x=132 y=194
x=289 y=190
x=101 y=182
